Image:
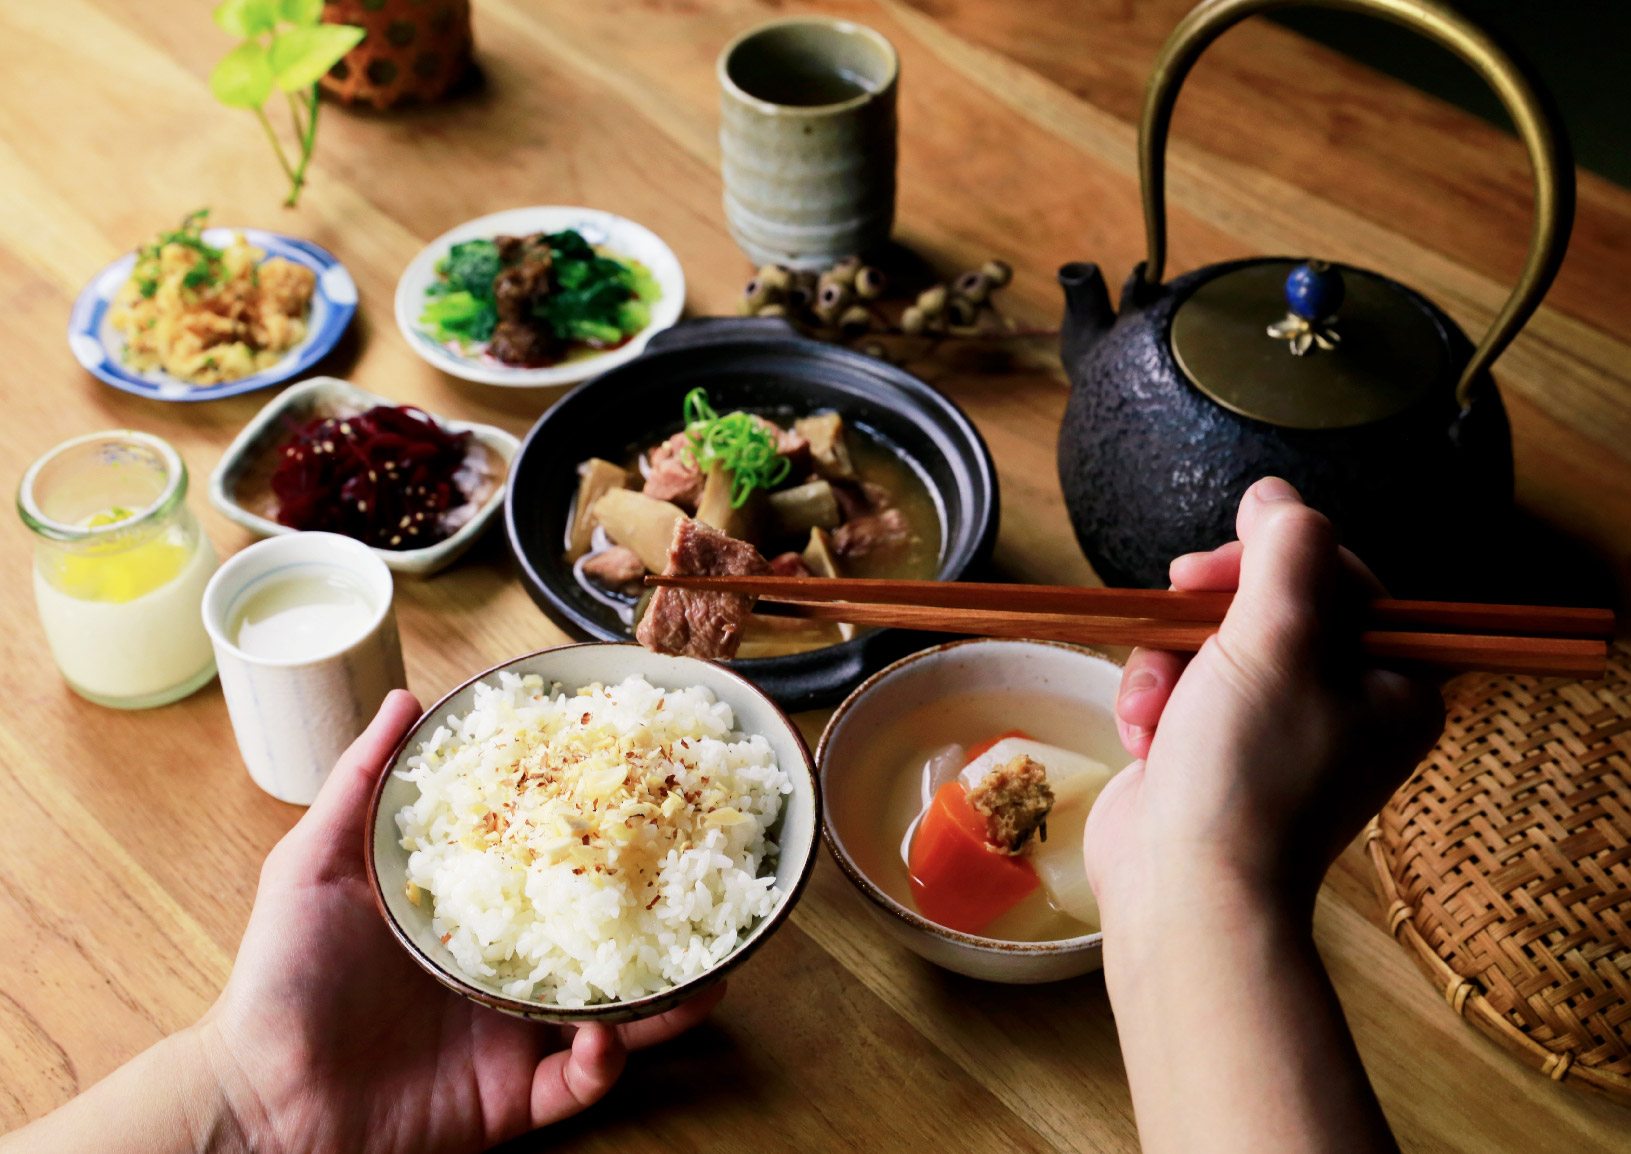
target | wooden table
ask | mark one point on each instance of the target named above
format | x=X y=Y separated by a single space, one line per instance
x=130 y=843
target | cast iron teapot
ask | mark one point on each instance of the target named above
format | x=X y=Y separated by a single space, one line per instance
x=1365 y=395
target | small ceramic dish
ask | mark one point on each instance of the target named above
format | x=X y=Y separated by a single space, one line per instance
x=249 y=457
x=617 y=234
x=100 y=348
x=854 y=795
x=572 y=666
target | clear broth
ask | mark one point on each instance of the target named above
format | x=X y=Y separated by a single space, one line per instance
x=878 y=462
x=898 y=754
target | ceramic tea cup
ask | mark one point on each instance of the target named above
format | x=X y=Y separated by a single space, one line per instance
x=298 y=702
x=807 y=133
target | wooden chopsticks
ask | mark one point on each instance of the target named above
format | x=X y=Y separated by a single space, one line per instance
x=1543 y=640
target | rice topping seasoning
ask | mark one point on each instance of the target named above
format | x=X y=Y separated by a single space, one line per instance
x=592 y=845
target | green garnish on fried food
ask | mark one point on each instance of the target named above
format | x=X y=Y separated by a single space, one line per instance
x=741 y=442
x=206 y=269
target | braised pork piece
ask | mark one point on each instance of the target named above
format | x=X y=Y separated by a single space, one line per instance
x=814 y=496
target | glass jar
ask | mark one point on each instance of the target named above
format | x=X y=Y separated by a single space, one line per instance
x=120 y=566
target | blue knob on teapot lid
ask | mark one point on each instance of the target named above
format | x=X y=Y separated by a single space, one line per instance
x=1358 y=348
x=1314 y=290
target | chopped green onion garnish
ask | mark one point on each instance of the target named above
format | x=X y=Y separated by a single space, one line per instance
x=739 y=441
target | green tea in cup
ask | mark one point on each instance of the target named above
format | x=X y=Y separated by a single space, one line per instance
x=807 y=134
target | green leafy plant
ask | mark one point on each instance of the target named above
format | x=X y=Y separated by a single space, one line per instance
x=286 y=47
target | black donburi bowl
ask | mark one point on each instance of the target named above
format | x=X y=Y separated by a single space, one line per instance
x=752 y=364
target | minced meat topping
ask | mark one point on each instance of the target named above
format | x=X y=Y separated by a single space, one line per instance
x=1015 y=801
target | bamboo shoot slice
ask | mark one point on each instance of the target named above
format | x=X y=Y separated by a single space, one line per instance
x=820 y=560
x=828 y=449
x=639 y=522
x=597 y=478
x=812 y=505
x=714 y=507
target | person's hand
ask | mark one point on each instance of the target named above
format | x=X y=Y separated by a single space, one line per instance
x=328 y=1037
x=1266 y=752
x=1261 y=757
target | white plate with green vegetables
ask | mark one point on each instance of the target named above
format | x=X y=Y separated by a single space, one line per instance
x=538 y=296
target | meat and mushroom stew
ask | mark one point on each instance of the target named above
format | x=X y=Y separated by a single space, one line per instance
x=747 y=493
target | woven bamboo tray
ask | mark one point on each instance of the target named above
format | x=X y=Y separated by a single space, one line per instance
x=1504 y=867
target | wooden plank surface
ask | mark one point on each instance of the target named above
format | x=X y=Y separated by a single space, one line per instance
x=130 y=843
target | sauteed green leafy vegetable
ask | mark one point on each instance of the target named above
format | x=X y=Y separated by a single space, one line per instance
x=536 y=297
x=461 y=306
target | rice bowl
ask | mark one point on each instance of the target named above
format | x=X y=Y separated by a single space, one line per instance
x=597 y=845
x=593 y=832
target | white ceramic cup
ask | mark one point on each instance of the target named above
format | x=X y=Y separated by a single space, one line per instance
x=293 y=717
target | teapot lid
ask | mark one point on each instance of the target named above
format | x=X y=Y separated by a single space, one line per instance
x=1309 y=345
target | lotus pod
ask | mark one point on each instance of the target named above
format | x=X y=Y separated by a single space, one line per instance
x=412 y=50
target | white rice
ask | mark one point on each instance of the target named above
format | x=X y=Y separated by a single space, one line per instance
x=592 y=846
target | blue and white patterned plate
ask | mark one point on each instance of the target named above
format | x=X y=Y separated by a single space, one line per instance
x=618 y=234
x=100 y=348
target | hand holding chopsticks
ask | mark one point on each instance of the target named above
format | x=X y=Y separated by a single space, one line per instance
x=1542 y=640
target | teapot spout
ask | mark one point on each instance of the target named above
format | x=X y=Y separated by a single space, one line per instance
x=1088 y=314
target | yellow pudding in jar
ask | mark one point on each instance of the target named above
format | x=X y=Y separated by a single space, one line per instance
x=119 y=575
x=120 y=583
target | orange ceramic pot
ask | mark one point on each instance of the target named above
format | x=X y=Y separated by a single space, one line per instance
x=413 y=50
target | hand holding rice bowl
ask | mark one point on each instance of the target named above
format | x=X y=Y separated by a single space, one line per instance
x=597 y=845
x=599 y=852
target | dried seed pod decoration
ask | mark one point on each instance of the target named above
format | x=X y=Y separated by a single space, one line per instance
x=845 y=303
x=961 y=311
x=844 y=272
x=759 y=292
x=870 y=283
x=832 y=297
x=972 y=286
x=776 y=277
x=998 y=272
x=855 y=321
x=932 y=301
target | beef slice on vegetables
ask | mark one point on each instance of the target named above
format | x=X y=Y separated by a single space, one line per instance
x=698 y=624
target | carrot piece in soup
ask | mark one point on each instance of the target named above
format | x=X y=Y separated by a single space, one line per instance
x=958 y=878
x=984 y=746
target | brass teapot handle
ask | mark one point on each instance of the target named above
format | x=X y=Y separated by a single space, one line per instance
x=1537 y=127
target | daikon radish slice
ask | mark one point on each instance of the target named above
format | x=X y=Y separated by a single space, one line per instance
x=1076 y=780
x=1062 y=765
